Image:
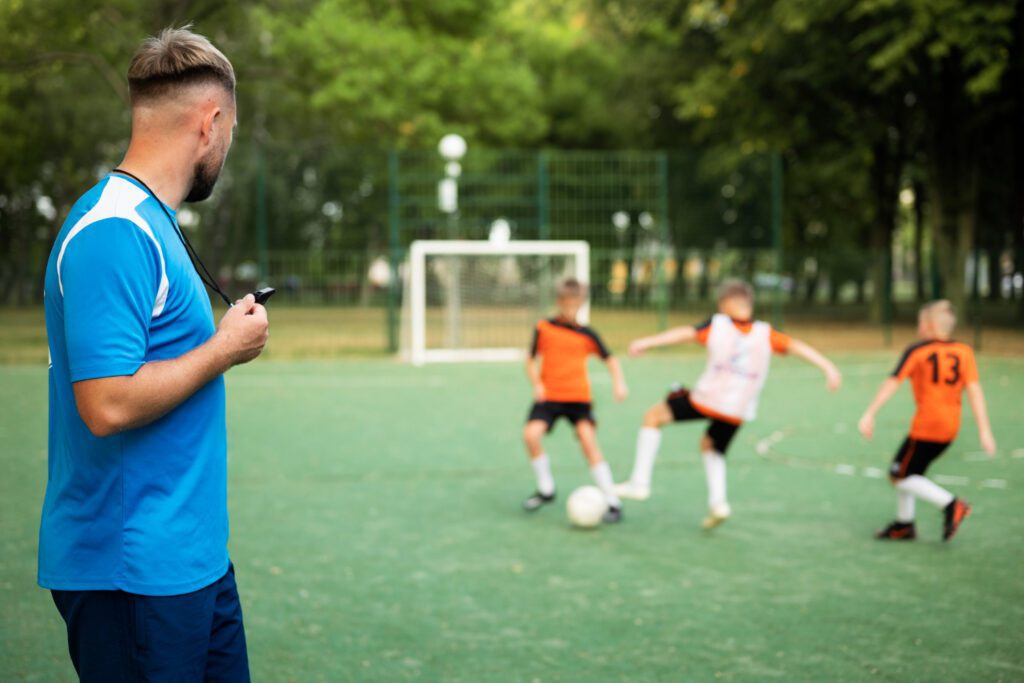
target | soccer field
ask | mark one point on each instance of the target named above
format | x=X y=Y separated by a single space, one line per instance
x=377 y=535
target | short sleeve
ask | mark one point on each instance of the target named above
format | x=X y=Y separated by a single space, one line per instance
x=110 y=277
x=599 y=347
x=907 y=363
x=703 y=332
x=970 y=370
x=536 y=342
x=780 y=342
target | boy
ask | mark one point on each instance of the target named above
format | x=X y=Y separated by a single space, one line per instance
x=739 y=353
x=561 y=388
x=939 y=370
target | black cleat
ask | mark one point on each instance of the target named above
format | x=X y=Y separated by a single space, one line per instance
x=897 y=531
x=956 y=513
x=613 y=516
x=537 y=501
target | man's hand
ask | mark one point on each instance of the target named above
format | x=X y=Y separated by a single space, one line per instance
x=620 y=391
x=867 y=426
x=539 y=395
x=637 y=348
x=988 y=442
x=243 y=331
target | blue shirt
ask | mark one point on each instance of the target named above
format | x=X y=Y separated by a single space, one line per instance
x=144 y=511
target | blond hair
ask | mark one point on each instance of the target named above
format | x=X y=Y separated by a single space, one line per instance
x=175 y=58
x=940 y=316
x=571 y=287
x=735 y=288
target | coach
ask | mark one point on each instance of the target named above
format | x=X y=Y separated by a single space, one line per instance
x=133 y=540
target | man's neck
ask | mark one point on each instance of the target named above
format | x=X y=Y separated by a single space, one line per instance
x=167 y=177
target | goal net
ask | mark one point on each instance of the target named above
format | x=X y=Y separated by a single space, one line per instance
x=479 y=300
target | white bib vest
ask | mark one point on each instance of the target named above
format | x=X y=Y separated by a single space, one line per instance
x=737 y=368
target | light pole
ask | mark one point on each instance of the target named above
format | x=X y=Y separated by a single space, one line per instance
x=452 y=148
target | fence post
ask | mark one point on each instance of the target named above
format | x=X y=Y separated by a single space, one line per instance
x=887 y=300
x=663 y=284
x=543 y=200
x=776 y=218
x=394 y=249
x=261 y=215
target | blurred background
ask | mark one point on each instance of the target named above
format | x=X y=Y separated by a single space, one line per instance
x=851 y=157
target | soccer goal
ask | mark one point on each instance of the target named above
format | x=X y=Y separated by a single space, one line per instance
x=469 y=300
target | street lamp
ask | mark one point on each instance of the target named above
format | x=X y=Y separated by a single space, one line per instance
x=452 y=148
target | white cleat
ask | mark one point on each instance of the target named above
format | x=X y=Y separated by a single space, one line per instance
x=631 y=491
x=717 y=514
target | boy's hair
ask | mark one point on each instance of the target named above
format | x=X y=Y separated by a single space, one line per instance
x=175 y=58
x=571 y=288
x=941 y=316
x=735 y=288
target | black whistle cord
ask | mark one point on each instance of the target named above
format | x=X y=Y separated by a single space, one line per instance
x=197 y=263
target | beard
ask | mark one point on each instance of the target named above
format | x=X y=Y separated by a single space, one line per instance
x=204 y=177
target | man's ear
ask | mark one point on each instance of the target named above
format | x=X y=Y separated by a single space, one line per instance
x=211 y=119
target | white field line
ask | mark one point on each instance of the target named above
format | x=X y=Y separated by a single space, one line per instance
x=764 y=447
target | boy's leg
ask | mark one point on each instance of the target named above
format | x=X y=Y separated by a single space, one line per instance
x=648 y=441
x=713 y=447
x=599 y=469
x=541 y=417
x=907 y=473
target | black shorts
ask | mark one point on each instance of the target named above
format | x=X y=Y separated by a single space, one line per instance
x=550 y=411
x=914 y=457
x=719 y=432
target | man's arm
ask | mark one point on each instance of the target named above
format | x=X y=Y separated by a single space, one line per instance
x=867 y=422
x=677 y=335
x=619 y=388
x=976 y=397
x=833 y=378
x=109 y=405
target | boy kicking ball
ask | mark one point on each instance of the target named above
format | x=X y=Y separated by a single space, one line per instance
x=561 y=388
x=739 y=353
x=939 y=370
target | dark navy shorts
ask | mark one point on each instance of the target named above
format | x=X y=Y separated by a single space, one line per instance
x=118 y=637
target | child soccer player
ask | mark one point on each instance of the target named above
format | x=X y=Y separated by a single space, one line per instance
x=561 y=388
x=739 y=352
x=939 y=370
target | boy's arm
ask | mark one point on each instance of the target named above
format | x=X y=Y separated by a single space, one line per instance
x=867 y=422
x=833 y=378
x=619 y=388
x=534 y=376
x=677 y=335
x=976 y=397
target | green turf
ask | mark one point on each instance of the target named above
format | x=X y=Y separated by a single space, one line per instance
x=377 y=536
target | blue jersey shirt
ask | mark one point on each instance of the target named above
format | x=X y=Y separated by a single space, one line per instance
x=144 y=511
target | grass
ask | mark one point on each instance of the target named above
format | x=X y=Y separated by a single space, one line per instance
x=377 y=536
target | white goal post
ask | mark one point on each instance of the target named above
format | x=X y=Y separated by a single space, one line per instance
x=505 y=283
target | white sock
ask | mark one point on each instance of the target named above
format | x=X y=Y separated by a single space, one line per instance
x=905 y=507
x=647 y=443
x=542 y=468
x=714 y=469
x=603 y=478
x=926 y=489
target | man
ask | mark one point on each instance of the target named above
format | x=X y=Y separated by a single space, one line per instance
x=133 y=540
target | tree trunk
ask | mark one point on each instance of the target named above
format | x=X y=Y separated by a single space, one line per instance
x=919 y=266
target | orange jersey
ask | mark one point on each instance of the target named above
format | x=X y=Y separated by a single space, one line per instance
x=779 y=341
x=938 y=372
x=564 y=348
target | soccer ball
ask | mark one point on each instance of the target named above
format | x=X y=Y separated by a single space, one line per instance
x=586 y=506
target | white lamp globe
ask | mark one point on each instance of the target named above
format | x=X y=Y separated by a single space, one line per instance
x=452 y=146
x=620 y=219
x=501 y=231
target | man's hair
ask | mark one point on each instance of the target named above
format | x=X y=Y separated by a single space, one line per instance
x=941 y=316
x=735 y=288
x=571 y=287
x=175 y=58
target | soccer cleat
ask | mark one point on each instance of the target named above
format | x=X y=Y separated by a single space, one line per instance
x=537 y=501
x=613 y=516
x=631 y=491
x=956 y=513
x=897 y=531
x=717 y=514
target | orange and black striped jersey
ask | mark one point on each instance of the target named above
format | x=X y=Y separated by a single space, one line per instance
x=938 y=372
x=564 y=348
x=779 y=341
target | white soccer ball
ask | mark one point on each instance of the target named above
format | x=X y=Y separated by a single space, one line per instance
x=586 y=506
